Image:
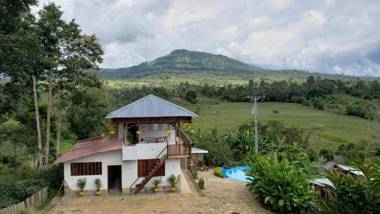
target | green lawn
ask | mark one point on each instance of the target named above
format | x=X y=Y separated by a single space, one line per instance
x=330 y=129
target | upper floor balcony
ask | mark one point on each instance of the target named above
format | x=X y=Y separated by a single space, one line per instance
x=152 y=141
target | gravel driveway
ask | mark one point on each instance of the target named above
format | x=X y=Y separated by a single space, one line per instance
x=221 y=196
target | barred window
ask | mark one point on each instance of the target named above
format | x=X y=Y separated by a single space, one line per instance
x=86 y=168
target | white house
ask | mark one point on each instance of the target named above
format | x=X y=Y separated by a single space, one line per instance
x=146 y=143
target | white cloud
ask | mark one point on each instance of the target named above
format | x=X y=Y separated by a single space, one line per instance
x=335 y=36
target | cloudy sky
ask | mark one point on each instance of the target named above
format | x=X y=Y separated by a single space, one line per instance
x=332 y=36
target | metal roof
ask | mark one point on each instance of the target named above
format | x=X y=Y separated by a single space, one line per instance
x=151 y=106
x=90 y=147
x=323 y=182
x=195 y=150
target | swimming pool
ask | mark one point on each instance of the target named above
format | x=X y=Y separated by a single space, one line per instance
x=237 y=173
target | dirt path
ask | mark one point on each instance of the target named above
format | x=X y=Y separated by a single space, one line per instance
x=221 y=196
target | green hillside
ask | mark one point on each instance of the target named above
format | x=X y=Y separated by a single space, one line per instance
x=329 y=129
x=189 y=65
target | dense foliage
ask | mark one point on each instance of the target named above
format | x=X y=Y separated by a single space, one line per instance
x=355 y=194
x=227 y=148
x=48 y=74
x=16 y=185
x=283 y=187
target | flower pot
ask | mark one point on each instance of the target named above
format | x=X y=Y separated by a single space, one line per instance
x=97 y=193
x=172 y=189
x=81 y=193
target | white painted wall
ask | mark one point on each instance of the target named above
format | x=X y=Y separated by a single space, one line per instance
x=107 y=158
x=144 y=150
x=130 y=172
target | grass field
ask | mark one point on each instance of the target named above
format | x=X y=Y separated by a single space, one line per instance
x=330 y=129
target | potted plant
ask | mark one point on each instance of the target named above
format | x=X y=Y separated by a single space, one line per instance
x=81 y=184
x=172 y=180
x=201 y=183
x=201 y=165
x=98 y=184
x=155 y=185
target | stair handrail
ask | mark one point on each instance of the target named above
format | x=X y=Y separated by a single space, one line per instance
x=130 y=187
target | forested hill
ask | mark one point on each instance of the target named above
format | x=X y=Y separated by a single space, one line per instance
x=194 y=62
x=182 y=61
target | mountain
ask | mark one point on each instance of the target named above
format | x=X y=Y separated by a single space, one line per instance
x=194 y=63
x=183 y=61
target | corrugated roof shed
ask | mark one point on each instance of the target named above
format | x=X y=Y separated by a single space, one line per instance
x=151 y=106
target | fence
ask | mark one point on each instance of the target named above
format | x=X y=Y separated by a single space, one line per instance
x=29 y=203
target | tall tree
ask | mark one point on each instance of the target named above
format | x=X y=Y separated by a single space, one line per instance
x=69 y=56
x=19 y=50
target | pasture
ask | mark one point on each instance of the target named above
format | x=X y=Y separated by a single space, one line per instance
x=329 y=129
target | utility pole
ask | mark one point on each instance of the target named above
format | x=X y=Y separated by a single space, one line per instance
x=254 y=112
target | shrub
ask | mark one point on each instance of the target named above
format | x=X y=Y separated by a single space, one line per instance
x=194 y=174
x=219 y=152
x=191 y=96
x=201 y=183
x=327 y=154
x=81 y=183
x=312 y=155
x=156 y=183
x=282 y=187
x=172 y=180
x=355 y=194
x=24 y=182
x=98 y=184
x=218 y=172
x=361 y=109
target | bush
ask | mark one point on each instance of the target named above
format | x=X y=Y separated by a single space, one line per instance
x=282 y=187
x=201 y=183
x=361 y=109
x=172 y=180
x=191 y=96
x=81 y=183
x=24 y=182
x=194 y=174
x=218 y=172
x=312 y=155
x=355 y=194
x=327 y=154
x=219 y=152
x=98 y=184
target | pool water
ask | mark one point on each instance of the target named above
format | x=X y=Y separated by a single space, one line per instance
x=238 y=173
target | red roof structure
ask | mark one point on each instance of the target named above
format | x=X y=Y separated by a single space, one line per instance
x=89 y=147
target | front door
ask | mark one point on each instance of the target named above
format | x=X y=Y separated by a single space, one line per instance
x=114 y=178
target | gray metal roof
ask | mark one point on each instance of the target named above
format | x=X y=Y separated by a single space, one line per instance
x=151 y=106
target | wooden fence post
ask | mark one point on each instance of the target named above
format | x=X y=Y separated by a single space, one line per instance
x=29 y=203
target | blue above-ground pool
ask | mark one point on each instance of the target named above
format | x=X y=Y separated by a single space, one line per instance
x=237 y=173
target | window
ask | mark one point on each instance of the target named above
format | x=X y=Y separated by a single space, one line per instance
x=145 y=166
x=86 y=168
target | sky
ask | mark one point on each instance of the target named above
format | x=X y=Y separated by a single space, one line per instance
x=327 y=36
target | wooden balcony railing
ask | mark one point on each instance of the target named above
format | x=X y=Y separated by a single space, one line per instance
x=178 y=150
